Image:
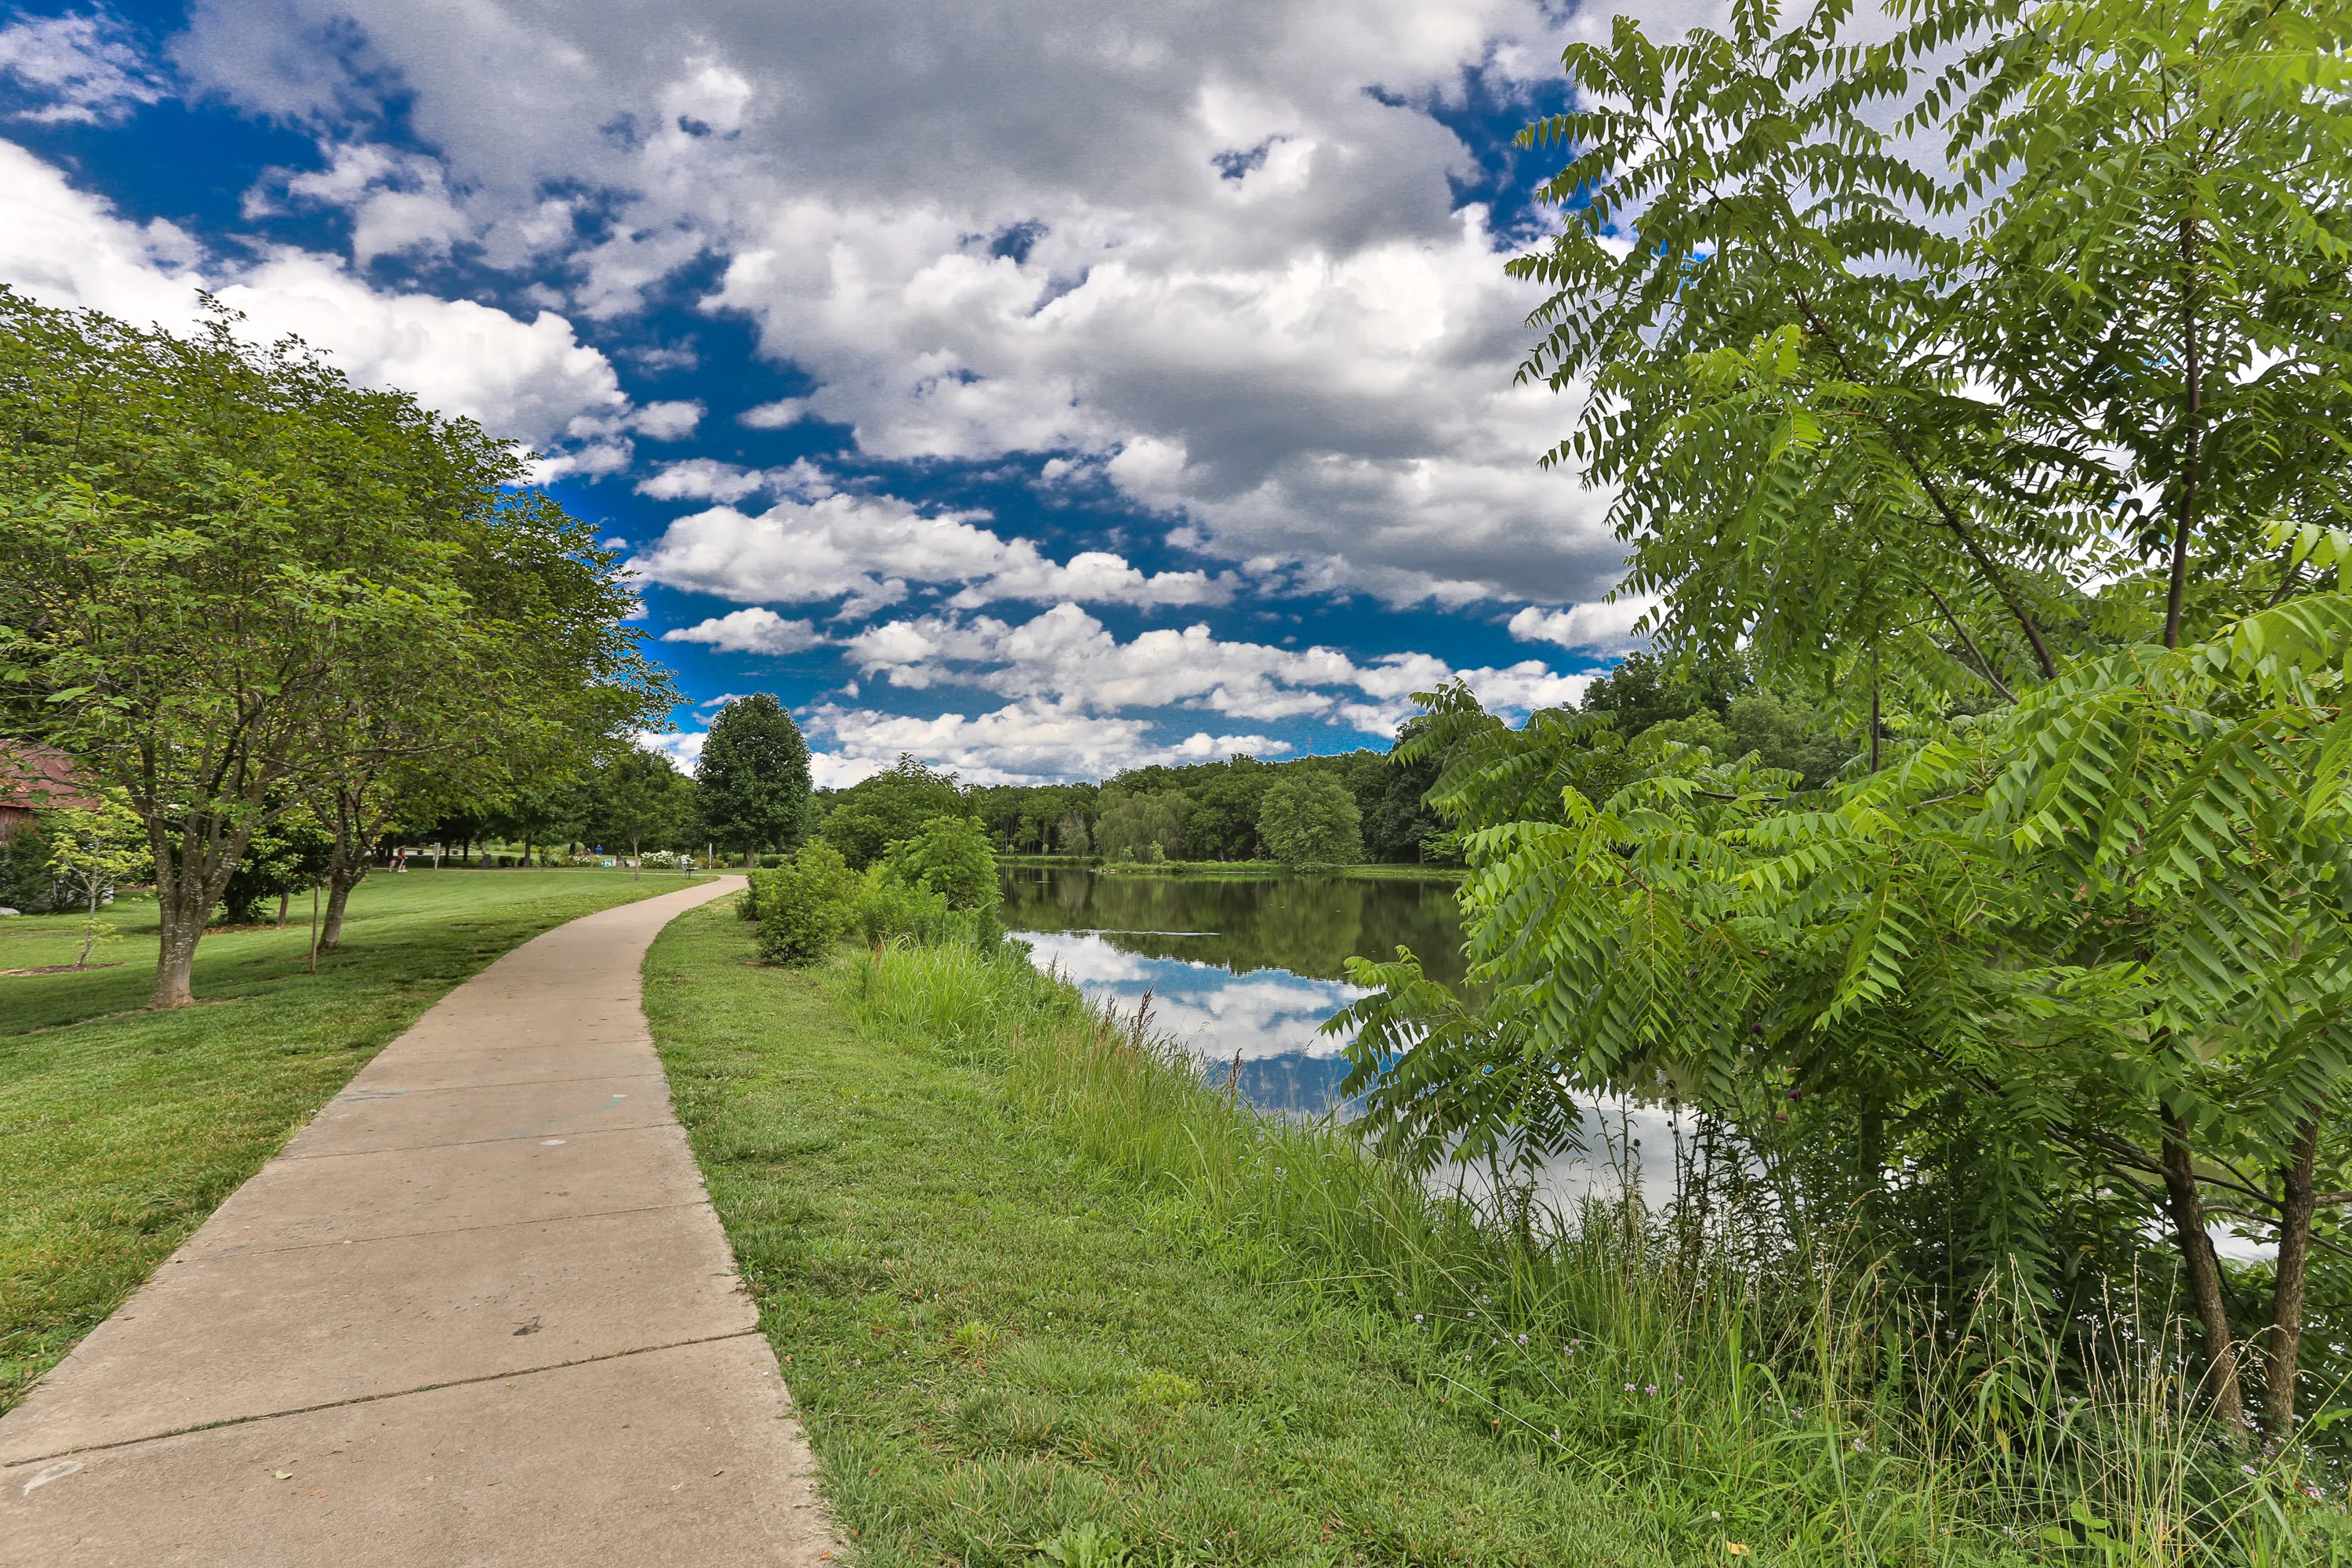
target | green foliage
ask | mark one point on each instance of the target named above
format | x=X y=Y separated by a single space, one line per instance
x=949 y=856
x=892 y=909
x=1311 y=821
x=1987 y=386
x=289 y=856
x=1141 y=827
x=752 y=781
x=805 y=906
x=26 y=883
x=638 y=798
x=1702 y=1386
x=232 y=584
x=865 y=819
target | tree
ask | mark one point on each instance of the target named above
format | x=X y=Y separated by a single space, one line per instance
x=1140 y=826
x=292 y=853
x=640 y=798
x=199 y=551
x=2021 y=459
x=550 y=673
x=1310 y=819
x=874 y=813
x=92 y=850
x=751 y=784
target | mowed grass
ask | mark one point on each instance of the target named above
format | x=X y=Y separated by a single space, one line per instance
x=121 y=1130
x=1001 y=1347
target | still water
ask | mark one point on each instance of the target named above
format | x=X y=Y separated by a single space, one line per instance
x=1247 y=972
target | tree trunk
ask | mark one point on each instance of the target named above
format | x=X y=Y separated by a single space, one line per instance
x=281 y=909
x=2300 y=1202
x=175 y=958
x=340 y=883
x=2204 y=1272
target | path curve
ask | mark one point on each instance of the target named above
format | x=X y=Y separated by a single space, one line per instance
x=480 y=1311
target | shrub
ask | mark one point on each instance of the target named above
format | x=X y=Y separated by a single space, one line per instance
x=805 y=905
x=949 y=856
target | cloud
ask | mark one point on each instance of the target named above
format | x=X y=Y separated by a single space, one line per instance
x=1212 y=255
x=1022 y=743
x=1067 y=658
x=78 y=70
x=1599 y=626
x=774 y=416
x=667 y=421
x=754 y=630
x=814 y=546
x=684 y=747
x=531 y=381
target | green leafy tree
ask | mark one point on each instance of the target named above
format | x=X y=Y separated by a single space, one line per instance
x=872 y=814
x=226 y=585
x=949 y=856
x=751 y=784
x=92 y=850
x=2024 y=454
x=1140 y=826
x=1311 y=820
x=293 y=853
x=638 y=798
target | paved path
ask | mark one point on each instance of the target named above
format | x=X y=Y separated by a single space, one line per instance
x=480 y=1311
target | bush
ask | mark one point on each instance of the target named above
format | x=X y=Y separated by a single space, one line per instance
x=949 y=856
x=772 y=862
x=805 y=905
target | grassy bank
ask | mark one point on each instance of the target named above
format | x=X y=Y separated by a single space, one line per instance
x=121 y=1130
x=984 y=1222
x=999 y=1342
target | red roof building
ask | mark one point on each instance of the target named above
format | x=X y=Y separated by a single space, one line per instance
x=33 y=778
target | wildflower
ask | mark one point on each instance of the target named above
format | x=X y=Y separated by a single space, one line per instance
x=1679 y=1377
x=1416 y=1316
x=1629 y=1388
x=1523 y=1339
x=1555 y=1434
x=1712 y=1514
x=1650 y=1389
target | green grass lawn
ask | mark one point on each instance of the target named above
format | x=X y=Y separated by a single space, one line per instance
x=121 y=1130
x=997 y=1345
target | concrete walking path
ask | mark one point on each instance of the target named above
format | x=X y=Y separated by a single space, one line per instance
x=480 y=1311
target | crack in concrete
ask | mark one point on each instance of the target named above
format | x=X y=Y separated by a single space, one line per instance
x=372 y=1398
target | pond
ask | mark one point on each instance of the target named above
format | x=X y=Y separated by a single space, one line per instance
x=1242 y=972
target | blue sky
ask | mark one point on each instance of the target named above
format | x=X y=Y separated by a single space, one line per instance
x=1038 y=388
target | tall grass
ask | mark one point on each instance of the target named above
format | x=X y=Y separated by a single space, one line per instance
x=1744 y=1385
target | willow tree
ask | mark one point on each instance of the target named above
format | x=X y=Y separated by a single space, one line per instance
x=1989 y=382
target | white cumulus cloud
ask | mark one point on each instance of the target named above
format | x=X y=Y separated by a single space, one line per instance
x=864 y=549
x=1599 y=626
x=754 y=630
